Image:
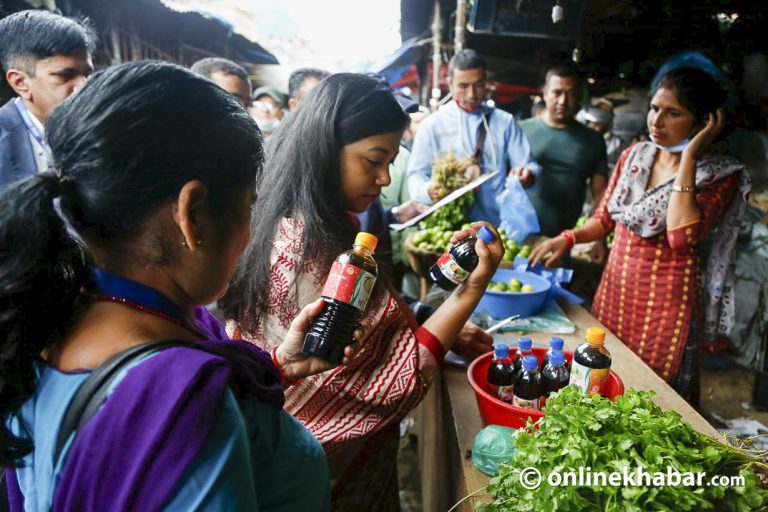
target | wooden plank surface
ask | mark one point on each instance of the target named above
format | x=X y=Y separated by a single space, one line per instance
x=465 y=417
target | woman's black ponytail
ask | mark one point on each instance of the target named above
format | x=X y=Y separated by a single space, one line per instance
x=42 y=271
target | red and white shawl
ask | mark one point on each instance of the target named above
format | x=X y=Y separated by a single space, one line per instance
x=389 y=376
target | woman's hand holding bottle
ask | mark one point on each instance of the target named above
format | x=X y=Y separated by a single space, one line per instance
x=489 y=256
x=293 y=363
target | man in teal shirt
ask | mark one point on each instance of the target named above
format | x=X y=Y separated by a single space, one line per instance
x=570 y=154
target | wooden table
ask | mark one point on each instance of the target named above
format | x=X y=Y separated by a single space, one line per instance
x=461 y=418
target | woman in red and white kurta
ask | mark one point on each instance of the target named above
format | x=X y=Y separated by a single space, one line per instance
x=327 y=163
x=662 y=202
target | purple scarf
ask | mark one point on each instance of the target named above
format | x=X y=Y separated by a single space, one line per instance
x=132 y=457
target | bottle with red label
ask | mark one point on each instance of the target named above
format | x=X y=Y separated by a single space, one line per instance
x=346 y=293
x=454 y=265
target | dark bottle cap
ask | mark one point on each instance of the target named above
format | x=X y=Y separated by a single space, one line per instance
x=524 y=344
x=530 y=363
x=486 y=234
x=557 y=358
x=501 y=351
x=556 y=343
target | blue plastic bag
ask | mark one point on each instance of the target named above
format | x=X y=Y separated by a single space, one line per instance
x=518 y=216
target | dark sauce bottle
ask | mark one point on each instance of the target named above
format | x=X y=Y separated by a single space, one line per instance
x=524 y=348
x=346 y=293
x=528 y=387
x=455 y=264
x=500 y=374
x=555 y=343
x=554 y=375
x=591 y=362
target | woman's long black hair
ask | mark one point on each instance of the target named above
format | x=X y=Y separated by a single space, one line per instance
x=302 y=176
x=122 y=147
x=696 y=90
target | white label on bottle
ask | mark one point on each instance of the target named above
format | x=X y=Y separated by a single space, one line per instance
x=450 y=269
x=589 y=380
x=527 y=404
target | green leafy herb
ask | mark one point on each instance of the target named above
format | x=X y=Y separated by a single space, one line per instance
x=592 y=432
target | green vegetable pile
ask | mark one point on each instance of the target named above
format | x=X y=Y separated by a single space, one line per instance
x=592 y=432
x=448 y=173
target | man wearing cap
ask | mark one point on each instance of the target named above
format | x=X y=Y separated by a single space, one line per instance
x=468 y=129
x=599 y=117
x=45 y=57
x=267 y=109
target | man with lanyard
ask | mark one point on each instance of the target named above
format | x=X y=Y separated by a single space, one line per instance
x=570 y=154
x=45 y=57
x=468 y=129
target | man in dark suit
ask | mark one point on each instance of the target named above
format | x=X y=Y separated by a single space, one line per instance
x=45 y=57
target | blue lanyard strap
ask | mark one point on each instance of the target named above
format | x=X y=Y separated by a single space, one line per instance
x=27 y=118
x=133 y=293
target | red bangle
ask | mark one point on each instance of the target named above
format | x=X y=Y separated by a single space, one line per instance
x=285 y=381
x=568 y=235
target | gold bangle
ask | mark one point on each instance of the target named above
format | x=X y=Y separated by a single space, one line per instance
x=683 y=188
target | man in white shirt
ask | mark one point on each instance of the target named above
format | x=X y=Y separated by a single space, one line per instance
x=45 y=57
x=468 y=128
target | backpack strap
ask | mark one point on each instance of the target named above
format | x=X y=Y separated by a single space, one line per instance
x=92 y=393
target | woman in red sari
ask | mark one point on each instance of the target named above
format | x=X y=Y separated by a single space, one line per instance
x=665 y=196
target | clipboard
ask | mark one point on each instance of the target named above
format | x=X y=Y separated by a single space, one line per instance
x=444 y=201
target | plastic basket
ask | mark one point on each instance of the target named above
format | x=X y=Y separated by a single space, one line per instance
x=503 y=304
x=495 y=412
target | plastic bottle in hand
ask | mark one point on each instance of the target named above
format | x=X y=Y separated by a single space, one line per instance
x=524 y=348
x=528 y=386
x=346 y=293
x=555 y=343
x=554 y=375
x=591 y=362
x=501 y=374
x=454 y=265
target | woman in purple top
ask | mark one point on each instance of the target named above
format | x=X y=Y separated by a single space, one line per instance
x=154 y=170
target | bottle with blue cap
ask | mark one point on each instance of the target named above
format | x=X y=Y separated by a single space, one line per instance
x=528 y=386
x=555 y=343
x=501 y=374
x=524 y=348
x=454 y=265
x=554 y=374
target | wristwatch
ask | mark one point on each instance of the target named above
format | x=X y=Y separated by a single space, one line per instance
x=683 y=188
